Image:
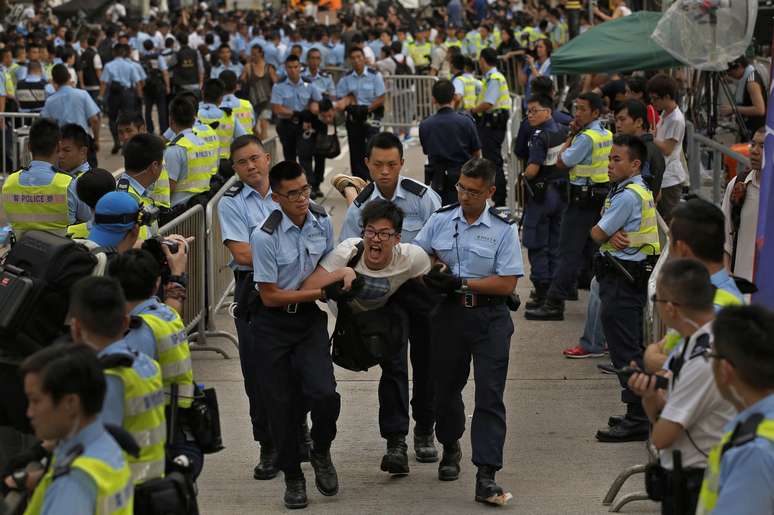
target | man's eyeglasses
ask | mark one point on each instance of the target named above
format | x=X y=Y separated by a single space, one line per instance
x=654 y=299
x=296 y=195
x=378 y=235
x=710 y=353
x=470 y=193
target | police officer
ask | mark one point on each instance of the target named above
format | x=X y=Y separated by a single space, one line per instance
x=225 y=63
x=88 y=470
x=242 y=109
x=90 y=67
x=187 y=68
x=738 y=478
x=546 y=186
x=243 y=208
x=74 y=150
x=628 y=235
x=324 y=82
x=134 y=398
x=317 y=77
x=222 y=120
x=419 y=51
x=361 y=96
x=586 y=154
x=478 y=264
x=449 y=139
x=466 y=86
x=121 y=80
x=157 y=85
x=40 y=196
x=418 y=202
x=31 y=89
x=493 y=106
x=291 y=332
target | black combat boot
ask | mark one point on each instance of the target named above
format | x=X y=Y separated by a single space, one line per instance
x=295 y=492
x=537 y=296
x=449 y=468
x=325 y=477
x=487 y=491
x=305 y=442
x=395 y=461
x=267 y=465
x=424 y=446
x=552 y=309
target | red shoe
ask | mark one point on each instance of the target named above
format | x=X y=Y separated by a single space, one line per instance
x=579 y=352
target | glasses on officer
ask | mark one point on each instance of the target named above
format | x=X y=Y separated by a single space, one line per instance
x=382 y=235
x=296 y=195
x=535 y=110
x=462 y=190
x=710 y=353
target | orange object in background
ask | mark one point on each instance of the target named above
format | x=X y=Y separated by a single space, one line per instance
x=333 y=5
x=731 y=164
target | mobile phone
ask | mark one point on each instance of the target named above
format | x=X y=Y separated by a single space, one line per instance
x=625 y=373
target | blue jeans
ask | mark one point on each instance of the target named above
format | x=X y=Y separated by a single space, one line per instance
x=593 y=339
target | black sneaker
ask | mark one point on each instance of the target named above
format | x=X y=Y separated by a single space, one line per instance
x=395 y=461
x=487 y=491
x=449 y=468
x=295 y=493
x=424 y=447
x=325 y=477
x=267 y=464
x=552 y=309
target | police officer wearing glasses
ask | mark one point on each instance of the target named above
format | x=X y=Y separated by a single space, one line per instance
x=478 y=261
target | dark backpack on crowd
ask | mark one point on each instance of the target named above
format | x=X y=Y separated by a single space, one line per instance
x=401 y=68
x=154 y=85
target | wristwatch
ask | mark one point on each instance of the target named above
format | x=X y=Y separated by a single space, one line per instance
x=181 y=279
x=465 y=287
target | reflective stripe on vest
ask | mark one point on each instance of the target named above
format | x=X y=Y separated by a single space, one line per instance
x=174 y=355
x=161 y=193
x=211 y=142
x=115 y=490
x=225 y=132
x=469 y=91
x=145 y=231
x=645 y=238
x=37 y=207
x=144 y=419
x=245 y=115
x=708 y=497
x=420 y=53
x=503 y=97
x=202 y=164
x=600 y=153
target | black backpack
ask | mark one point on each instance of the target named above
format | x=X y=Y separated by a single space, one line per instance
x=401 y=68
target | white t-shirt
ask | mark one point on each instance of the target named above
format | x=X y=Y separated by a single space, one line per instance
x=695 y=403
x=672 y=126
x=408 y=261
x=748 y=226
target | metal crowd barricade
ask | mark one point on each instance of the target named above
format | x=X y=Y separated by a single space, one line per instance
x=697 y=146
x=15 y=129
x=509 y=67
x=408 y=99
x=513 y=165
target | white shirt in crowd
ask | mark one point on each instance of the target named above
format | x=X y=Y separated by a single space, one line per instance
x=748 y=226
x=115 y=12
x=672 y=126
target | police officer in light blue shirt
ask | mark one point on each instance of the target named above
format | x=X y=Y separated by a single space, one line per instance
x=336 y=55
x=225 y=63
x=479 y=265
x=318 y=78
x=120 y=79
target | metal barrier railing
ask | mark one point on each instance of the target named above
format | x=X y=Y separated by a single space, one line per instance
x=696 y=146
x=408 y=99
x=509 y=67
x=14 y=135
x=513 y=165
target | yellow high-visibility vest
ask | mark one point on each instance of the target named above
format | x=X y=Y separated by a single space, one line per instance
x=43 y=207
x=645 y=238
x=600 y=153
x=503 y=97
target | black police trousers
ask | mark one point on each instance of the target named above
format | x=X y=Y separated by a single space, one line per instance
x=575 y=248
x=492 y=149
x=358 y=135
x=394 y=395
x=296 y=147
x=296 y=371
x=423 y=388
x=119 y=100
x=483 y=334
x=621 y=315
x=540 y=235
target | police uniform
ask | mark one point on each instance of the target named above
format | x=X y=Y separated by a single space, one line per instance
x=322 y=81
x=155 y=89
x=220 y=68
x=192 y=163
x=31 y=93
x=88 y=474
x=546 y=202
x=366 y=88
x=448 y=140
x=492 y=125
x=420 y=54
x=120 y=77
x=43 y=198
x=241 y=210
x=336 y=55
x=468 y=87
x=243 y=111
x=292 y=346
x=134 y=400
x=227 y=128
x=297 y=143
x=490 y=246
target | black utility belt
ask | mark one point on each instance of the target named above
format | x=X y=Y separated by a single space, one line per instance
x=476 y=300
x=636 y=273
x=300 y=308
x=589 y=194
x=497 y=119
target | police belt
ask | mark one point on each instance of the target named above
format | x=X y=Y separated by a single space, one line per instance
x=660 y=482
x=475 y=300
x=636 y=273
x=589 y=195
x=299 y=308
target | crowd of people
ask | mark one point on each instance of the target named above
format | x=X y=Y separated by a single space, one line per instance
x=421 y=271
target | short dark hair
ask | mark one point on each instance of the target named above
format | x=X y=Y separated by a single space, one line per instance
x=489 y=55
x=380 y=209
x=94 y=185
x=385 y=141
x=141 y=151
x=458 y=62
x=130 y=118
x=700 y=224
x=229 y=80
x=542 y=101
x=480 y=168
x=182 y=111
x=244 y=140
x=75 y=133
x=59 y=74
x=689 y=285
x=663 y=86
x=284 y=171
x=137 y=271
x=542 y=85
x=292 y=58
x=443 y=91
x=355 y=49
x=594 y=100
x=636 y=111
x=99 y=304
x=67 y=368
x=148 y=44
x=637 y=85
x=313 y=49
x=44 y=137
x=213 y=90
x=742 y=335
x=635 y=147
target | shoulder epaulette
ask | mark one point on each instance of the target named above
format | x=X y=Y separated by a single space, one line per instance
x=135 y=322
x=364 y=195
x=227 y=110
x=116 y=360
x=414 y=187
x=702 y=344
x=744 y=432
x=123 y=185
x=501 y=216
x=447 y=207
x=63 y=467
x=371 y=70
x=176 y=139
x=214 y=125
x=317 y=209
x=272 y=222
x=234 y=189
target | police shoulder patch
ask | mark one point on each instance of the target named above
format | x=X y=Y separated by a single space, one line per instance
x=364 y=195
x=176 y=139
x=702 y=344
x=371 y=70
x=317 y=209
x=123 y=185
x=135 y=322
x=227 y=110
x=272 y=222
x=63 y=467
x=447 y=207
x=234 y=189
x=413 y=187
x=496 y=213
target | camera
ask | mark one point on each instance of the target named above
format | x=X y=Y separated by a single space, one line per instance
x=154 y=246
x=148 y=215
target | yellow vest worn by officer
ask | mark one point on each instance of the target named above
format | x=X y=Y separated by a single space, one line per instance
x=597 y=169
x=420 y=53
x=503 y=96
x=10 y=85
x=43 y=207
x=473 y=44
x=202 y=164
x=245 y=115
x=470 y=86
x=145 y=231
x=211 y=140
x=78 y=231
x=143 y=413
x=645 y=238
x=224 y=129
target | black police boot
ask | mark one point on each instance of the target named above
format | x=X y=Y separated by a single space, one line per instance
x=305 y=444
x=267 y=465
x=537 y=296
x=632 y=427
x=487 y=491
x=325 y=477
x=295 y=493
x=449 y=468
x=395 y=461
x=552 y=309
x=424 y=447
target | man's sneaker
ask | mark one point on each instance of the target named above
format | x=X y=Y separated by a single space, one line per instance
x=449 y=468
x=395 y=461
x=341 y=182
x=325 y=477
x=267 y=464
x=295 y=493
x=424 y=447
x=579 y=352
x=487 y=491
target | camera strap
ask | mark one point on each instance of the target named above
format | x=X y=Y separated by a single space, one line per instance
x=125 y=218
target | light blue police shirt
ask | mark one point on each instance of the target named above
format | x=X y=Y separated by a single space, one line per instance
x=71 y=105
x=579 y=152
x=176 y=161
x=336 y=55
x=624 y=213
x=234 y=67
x=237 y=43
x=322 y=81
x=492 y=87
x=416 y=211
x=324 y=51
x=722 y=280
x=141 y=338
x=490 y=246
x=366 y=87
x=122 y=71
x=207 y=110
x=113 y=407
x=290 y=254
x=241 y=214
x=271 y=54
x=295 y=96
x=41 y=173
